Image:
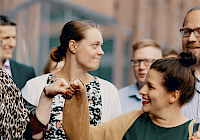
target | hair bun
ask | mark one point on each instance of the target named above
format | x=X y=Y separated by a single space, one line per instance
x=187 y=59
x=55 y=55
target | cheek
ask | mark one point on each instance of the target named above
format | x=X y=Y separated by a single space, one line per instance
x=3 y=44
x=147 y=68
x=136 y=69
x=184 y=43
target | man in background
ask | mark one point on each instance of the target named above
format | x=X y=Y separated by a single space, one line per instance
x=190 y=33
x=19 y=72
x=169 y=52
x=145 y=52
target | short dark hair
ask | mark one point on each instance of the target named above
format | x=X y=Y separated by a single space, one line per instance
x=4 y=20
x=168 y=51
x=193 y=9
x=178 y=74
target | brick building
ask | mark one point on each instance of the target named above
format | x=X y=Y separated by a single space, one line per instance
x=39 y=23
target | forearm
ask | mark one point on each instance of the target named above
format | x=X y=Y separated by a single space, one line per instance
x=76 y=116
x=42 y=114
x=43 y=110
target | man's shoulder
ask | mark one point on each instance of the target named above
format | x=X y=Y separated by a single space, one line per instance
x=128 y=88
x=17 y=64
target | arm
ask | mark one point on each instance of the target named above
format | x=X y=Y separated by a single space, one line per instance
x=76 y=121
x=11 y=105
x=43 y=110
x=196 y=136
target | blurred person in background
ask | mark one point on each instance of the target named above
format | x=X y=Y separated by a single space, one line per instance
x=19 y=72
x=81 y=47
x=144 y=53
x=52 y=66
x=13 y=113
x=191 y=42
x=169 y=52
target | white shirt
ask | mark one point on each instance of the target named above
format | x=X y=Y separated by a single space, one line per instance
x=130 y=98
x=6 y=67
x=191 y=110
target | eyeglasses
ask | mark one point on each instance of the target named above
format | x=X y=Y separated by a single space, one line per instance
x=137 y=62
x=0 y=42
x=186 y=32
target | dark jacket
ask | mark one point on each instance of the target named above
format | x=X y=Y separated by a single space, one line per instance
x=21 y=73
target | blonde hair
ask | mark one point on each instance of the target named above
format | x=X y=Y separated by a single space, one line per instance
x=145 y=43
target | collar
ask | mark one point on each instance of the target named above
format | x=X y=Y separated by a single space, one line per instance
x=134 y=91
x=197 y=83
x=7 y=64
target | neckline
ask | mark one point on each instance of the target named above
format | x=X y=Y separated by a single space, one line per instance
x=168 y=127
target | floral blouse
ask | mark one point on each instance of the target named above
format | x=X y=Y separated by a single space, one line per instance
x=55 y=127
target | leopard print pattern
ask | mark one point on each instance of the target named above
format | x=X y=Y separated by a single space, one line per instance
x=13 y=113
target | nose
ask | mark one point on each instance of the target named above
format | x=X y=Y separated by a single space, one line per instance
x=143 y=90
x=100 y=51
x=142 y=65
x=192 y=37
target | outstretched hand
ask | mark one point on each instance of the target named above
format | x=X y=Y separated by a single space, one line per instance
x=196 y=136
x=62 y=87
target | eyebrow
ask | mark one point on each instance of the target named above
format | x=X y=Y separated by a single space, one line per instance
x=148 y=83
x=190 y=28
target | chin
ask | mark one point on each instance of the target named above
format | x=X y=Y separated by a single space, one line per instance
x=92 y=69
x=144 y=109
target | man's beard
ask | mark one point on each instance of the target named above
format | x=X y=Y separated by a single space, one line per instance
x=195 y=52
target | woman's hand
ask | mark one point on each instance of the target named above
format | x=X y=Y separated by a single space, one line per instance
x=58 y=87
x=62 y=87
x=196 y=136
x=43 y=110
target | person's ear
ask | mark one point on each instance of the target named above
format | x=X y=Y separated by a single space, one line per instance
x=174 y=96
x=73 y=46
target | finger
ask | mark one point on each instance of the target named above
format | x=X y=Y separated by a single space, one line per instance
x=78 y=83
x=63 y=82
x=195 y=135
x=192 y=138
x=198 y=135
x=71 y=90
x=68 y=97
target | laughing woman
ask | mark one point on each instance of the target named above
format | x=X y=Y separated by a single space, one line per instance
x=170 y=83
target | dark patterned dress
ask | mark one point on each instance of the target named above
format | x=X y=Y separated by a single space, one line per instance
x=55 y=128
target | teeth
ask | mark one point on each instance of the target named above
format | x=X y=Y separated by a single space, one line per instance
x=145 y=100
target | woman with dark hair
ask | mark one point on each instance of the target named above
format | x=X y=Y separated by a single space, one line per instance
x=170 y=83
x=81 y=47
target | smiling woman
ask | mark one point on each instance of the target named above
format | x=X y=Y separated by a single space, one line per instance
x=170 y=83
x=81 y=47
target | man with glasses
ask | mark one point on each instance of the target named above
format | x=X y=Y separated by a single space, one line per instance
x=144 y=53
x=19 y=72
x=190 y=33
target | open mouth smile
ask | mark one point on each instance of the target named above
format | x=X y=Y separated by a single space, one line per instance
x=193 y=47
x=145 y=101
